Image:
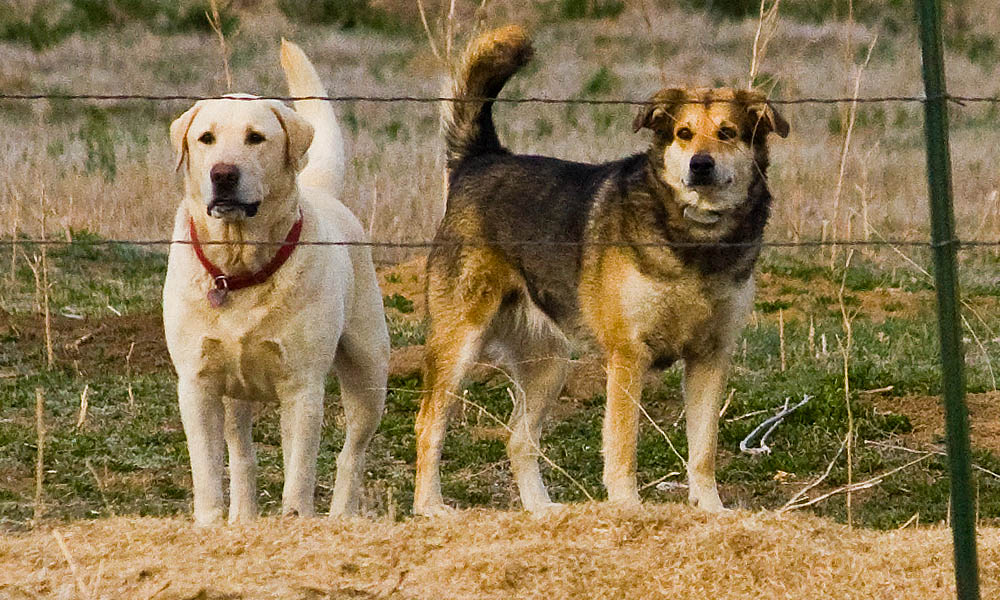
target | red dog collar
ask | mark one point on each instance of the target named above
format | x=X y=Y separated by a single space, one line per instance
x=223 y=284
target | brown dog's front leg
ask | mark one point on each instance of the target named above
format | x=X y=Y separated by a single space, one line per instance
x=621 y=424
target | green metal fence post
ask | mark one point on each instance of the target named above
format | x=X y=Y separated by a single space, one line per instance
x=945 y=274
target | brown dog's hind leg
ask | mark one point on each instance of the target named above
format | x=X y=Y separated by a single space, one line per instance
x=538 y=357
x=460 y=311
x=446 y=362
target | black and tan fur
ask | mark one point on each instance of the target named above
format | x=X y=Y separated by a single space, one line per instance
x=534 y=249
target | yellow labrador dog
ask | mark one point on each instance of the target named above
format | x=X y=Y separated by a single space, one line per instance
x=247 y=323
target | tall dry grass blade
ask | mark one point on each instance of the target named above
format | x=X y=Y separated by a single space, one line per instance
x=767 y=26
x=44 y=266
x=845 y=150
x=449 y=32
x=84 y=404
x=14 y=223
x=781 y=338
x=845 y=349
x=128 y=377
x=652 y=36
x=483 y=410
x=215 y=22
x=39 y=506
x=427 y=32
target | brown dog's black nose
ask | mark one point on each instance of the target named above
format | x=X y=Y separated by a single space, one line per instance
x=701 y=170
x=225 y=176
x=702 y=164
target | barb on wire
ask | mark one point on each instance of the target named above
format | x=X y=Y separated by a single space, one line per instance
x=523 y=100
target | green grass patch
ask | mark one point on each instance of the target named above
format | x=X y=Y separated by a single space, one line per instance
x=129 y=456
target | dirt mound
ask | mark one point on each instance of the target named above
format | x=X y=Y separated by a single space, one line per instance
x=585 y=551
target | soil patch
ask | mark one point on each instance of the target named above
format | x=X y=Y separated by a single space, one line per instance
x=128 y=343
x=926 y=414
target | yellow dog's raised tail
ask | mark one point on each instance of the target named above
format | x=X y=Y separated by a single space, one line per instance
x=325 y=168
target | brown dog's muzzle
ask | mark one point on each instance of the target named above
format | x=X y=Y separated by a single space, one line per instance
x=701 y=170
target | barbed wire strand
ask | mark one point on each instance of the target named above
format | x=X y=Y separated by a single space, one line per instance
x=525 y=100
x=488 y=243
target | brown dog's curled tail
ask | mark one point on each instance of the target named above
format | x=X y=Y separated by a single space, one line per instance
x=491 y=59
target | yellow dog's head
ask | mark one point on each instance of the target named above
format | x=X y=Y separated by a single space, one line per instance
x=238 y=153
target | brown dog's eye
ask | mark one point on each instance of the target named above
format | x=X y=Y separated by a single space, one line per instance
x=207 y=138
x=684 y=134
x=254 y=138
x=727 y=133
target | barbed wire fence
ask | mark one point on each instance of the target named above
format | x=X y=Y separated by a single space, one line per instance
x=958 y=100
x=950 y=243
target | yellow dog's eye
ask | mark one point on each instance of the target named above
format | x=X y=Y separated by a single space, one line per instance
x=727 y=133
x=684 y=134
x=254 y=138
x=207 y=138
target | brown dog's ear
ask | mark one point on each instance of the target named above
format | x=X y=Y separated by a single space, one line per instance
x=659 y=109
x=178 y=133
x=298 y=135
x=762 y=114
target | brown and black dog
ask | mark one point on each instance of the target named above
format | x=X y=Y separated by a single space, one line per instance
x=651 y=255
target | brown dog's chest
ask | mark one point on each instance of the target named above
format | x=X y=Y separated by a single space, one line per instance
x=670 y=315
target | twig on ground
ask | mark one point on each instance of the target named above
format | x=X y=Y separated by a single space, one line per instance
x=725 y=405
x=159 y=590
x=659 y=480
x=914 y=519
x=861 y=485
x=805 y=490
x=81 y=585
x=770 y=424
x=935 y=452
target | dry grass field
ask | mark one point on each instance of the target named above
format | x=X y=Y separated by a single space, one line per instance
x=115 y=482
x=588 y=551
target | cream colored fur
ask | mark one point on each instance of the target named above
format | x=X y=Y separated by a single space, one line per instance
x=277 y=341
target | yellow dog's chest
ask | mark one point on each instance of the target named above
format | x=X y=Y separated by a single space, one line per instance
x=240 y=349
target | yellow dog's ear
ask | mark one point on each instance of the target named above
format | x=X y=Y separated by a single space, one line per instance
x=178 y=133
x=298 y=135
x=658 y=113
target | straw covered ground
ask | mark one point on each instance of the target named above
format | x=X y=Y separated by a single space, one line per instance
x=586 y=551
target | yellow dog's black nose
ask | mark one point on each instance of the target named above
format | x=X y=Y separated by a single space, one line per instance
x=225 y=176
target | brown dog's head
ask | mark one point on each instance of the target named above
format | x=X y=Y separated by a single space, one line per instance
x=238 y=152
x=709 y=145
